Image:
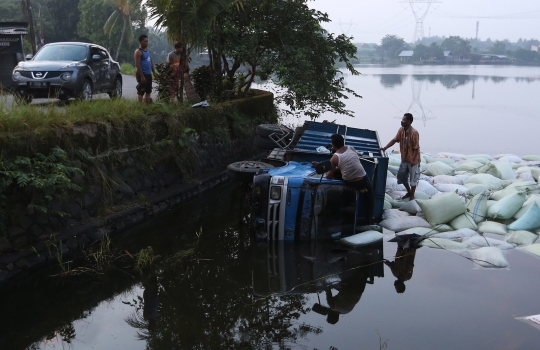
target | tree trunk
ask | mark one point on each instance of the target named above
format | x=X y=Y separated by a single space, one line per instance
x=121 y=38
x=191 y=94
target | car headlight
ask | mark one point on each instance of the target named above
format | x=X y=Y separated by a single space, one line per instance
x=275 y=193
x=66 y=76
x=16 y=75
x=74 y=64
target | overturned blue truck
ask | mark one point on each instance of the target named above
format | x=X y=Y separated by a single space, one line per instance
x=290 y=201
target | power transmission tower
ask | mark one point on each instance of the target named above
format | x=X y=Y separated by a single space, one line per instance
x=477 y=26
x=419 y=16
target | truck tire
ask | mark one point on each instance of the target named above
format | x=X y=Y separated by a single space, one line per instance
x=266 y=130
x=264 y=143
x=245 y=170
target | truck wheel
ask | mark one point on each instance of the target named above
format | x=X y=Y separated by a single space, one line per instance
x=266 y=130
x=264 y=143
x=245 y=170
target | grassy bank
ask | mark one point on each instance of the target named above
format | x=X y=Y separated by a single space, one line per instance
x=128 y=68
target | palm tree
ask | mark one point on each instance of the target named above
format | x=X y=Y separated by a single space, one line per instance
x=125 y=8
x=188 y=21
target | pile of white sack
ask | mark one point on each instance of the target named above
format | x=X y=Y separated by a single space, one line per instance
x=461 y=197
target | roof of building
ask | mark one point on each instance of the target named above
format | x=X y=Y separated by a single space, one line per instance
x=13 y=28
x=406 y=53
x=447 y=53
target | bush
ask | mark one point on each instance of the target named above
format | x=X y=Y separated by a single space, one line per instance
x=204 y=81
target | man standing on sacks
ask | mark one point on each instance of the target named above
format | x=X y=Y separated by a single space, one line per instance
x=409 y=147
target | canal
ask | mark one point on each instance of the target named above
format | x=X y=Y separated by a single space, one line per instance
x=210 y=287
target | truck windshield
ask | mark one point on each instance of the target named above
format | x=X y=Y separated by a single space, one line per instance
x=334 y=210
x=61 y=53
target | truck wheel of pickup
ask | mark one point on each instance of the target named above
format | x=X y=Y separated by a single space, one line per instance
x=266 y=130
x=245 y=170
x=264 y=143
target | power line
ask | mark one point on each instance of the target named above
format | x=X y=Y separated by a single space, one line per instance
x=520 y=15
x=419 y=16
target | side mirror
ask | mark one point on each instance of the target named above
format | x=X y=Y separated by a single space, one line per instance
x=29 y=57
x=323 y=167
x=96 y=58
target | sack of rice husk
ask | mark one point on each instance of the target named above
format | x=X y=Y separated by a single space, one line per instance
x=442 y=209
x=403 y=223
x=507 y=207
x=492 y=227
x=441 y=243
x=490 y=257
x=439 y=168
x=521 y=237
x=529 y=221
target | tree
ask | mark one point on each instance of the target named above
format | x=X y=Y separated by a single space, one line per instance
x=499 y=48
x=124 y=10
x=284 y=41
x=64 y=16
x=460 y=48
x=187 y=22
x=526 y=56
x=391 y=46
x=94 y=13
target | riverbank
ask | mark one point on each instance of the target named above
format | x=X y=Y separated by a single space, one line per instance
x=72 y=180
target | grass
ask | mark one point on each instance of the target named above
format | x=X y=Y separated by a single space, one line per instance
x=128 y=68
x=39 y=118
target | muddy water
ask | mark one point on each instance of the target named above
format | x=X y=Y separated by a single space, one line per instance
x=236 y=294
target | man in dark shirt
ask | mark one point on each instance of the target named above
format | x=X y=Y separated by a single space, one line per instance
x=409 y=147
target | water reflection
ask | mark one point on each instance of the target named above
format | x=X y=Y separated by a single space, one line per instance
x=402 y=266
x=316 y=267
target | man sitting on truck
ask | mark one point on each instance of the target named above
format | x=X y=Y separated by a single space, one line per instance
x=346 y=161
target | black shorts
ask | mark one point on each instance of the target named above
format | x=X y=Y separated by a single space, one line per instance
x=144 y=88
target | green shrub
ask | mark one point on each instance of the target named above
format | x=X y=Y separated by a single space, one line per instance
x=204 y=81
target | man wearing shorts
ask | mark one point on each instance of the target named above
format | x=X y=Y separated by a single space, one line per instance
x=409 y=147
x=145 y=68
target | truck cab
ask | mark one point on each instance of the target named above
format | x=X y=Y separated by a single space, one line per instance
x=292 y=202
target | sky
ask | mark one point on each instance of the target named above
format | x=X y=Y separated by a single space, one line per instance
x=370 y=20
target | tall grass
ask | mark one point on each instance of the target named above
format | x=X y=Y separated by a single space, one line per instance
x=38 y=118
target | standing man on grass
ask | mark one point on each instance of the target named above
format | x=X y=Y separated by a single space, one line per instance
x=177 y=65
x=409 y=147
x=145 y=68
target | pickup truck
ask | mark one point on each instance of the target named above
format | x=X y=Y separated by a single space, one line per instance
x=290 y=201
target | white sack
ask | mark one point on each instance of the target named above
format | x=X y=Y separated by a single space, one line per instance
x=476 y=189
x=426 y=188
x=507 y=207
x=441 y=243
x=533 y=198
x=513 y=188
x=492 y=227
x=421 y=231
x=393 y=169
x=527 y=176
x=489 y=257
x=394 y=213
x=470 y=165
x=387 y=205
x=513 y=159
x=363 y=238
x=479 y=160
x=457 y=234
x=404 y=223
x=442 y=209
x=451 y=188
x=440 y=159
x=428 y=179
x=529 y=221
x=443 y=228
x=501 y=170
x=477 y=207
x=439 y=168
x=531 y=158
x=533 y=248
x=521 y=237
x=482 y=241
x=447 y=179
x=392 y=185
x=411 y=207
x=488 y=180
x=463 y=221
x=498 y=156
x=389 y=174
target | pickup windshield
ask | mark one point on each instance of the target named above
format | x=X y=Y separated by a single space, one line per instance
x=61 y=53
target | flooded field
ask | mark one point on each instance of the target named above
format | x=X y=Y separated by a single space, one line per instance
x=211 y=287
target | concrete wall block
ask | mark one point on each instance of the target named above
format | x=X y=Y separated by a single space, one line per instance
x=20 y=241
x=4 y=245
x=36 y=231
